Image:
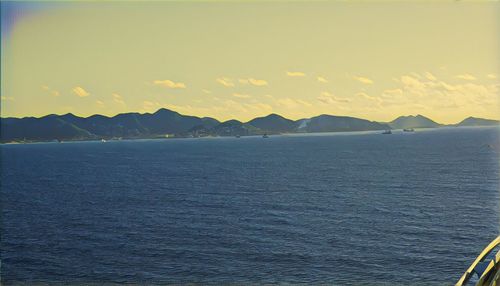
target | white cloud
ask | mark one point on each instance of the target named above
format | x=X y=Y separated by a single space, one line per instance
x=322 y=79
x=118 y=99
x=99 y=103
x=225 y=81
x=393 y=92
x=363 y=80
x=295 y=74
x=329 y=98
x=414 y=74
x=239 y=95
x=446 y=86
x=150 y=106
x=50 y=91
x=291 y=103
x=170 y=84
x=257 y=82
x=80 y=91
x=430 y=76
x=259 y=107
x=303 y=102
x=412 y=82
x=416 y=93
x=368 y=97
x=253 y=81
x=466 y=76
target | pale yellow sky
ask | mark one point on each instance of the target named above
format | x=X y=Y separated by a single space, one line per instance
x=246 y=59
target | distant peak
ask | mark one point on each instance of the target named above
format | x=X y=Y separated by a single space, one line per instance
x=162 y=110
x=232 y=121
x=274 y=115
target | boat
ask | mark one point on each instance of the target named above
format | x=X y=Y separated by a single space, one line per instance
x=102 y=140
x=387 y=132
x=265 y=136
x=237 y=136
x=485 y=270
x=409 y=130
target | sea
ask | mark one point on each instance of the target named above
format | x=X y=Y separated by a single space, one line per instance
x=357 y=208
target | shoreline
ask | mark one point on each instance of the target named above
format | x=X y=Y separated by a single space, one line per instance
x=354 y=132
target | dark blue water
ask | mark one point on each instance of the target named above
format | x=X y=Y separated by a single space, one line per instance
x=337 y=209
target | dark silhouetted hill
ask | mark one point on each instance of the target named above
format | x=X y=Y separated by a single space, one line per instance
x=274 y=123
x=167 y=122
x=330 y=123
x=419 y=121
x=474 y=121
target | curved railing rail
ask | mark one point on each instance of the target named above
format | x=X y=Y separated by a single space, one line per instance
x=491 y=274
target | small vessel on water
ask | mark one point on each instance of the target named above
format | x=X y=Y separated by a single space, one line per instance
x=486 y=267
x=408 y=130
x=237 y=136
x=103 y=141
x=387 y=132
x=265 y=136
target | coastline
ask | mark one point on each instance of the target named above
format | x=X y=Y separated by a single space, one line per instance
x=158 y=137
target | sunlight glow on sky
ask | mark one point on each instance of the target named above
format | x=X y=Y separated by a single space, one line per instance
x=247 y=59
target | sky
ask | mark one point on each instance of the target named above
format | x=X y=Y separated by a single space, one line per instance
x=244 y=59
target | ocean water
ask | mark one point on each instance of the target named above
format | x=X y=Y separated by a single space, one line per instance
x=340 y=209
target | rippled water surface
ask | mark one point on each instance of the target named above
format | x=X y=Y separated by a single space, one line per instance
x=359 y=208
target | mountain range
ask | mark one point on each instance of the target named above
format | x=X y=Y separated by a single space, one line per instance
x=168 y=123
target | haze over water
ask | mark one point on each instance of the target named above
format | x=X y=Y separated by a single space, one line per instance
x=352 y=208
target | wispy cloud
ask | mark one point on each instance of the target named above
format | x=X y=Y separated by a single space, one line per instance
x=295 y=74
x=227 y=82
x=393 y=92
x=322 y=79
x=257 y=82
x=424 y=93
x=253 y=81
x=492 y=76
x=50 y=91
x=79 y=91
x=206 y=91
x=430 y=76
x=329 y=98
x=239 y=95
x=150 y=106
x=292 y=103
x=368 y=97
x=170 y=84
x=99 y=103
x=363 y=80
x=466 y=76
x=118 y=99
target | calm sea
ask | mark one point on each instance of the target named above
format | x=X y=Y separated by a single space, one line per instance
x=343 y=209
